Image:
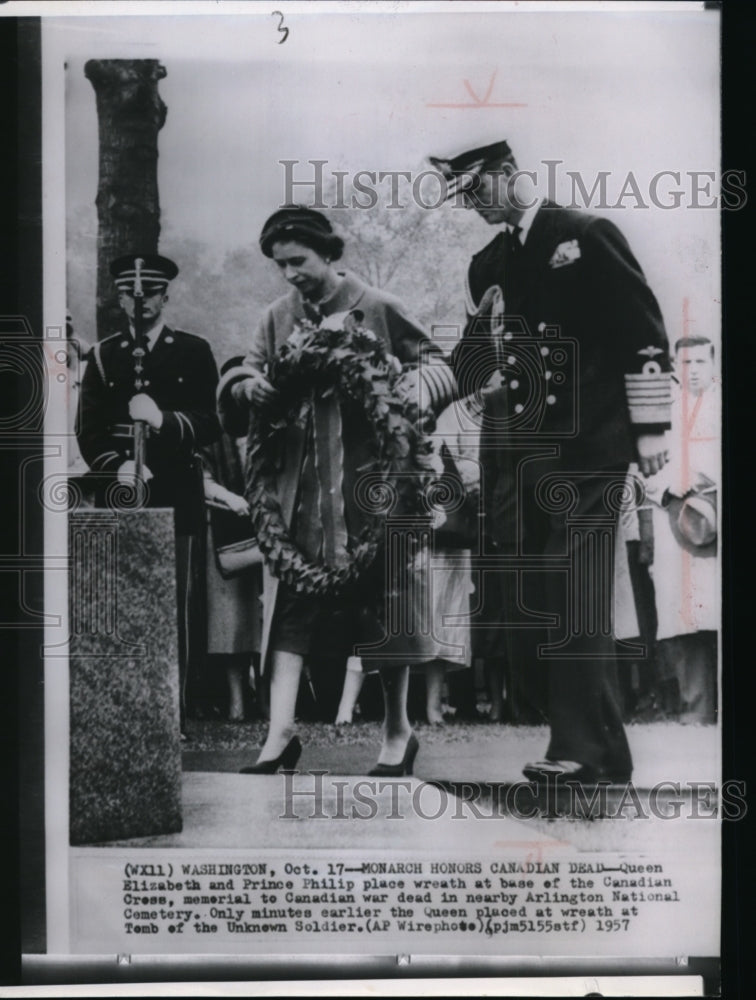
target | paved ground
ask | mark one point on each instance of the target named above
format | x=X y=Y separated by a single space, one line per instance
x=662 y=751
x=224 y=809
x=231 y=811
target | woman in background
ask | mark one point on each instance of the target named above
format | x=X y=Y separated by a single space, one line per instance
x=234 y=608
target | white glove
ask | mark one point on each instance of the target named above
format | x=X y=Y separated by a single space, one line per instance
x=237 y=504
x=127 y=473
x=653 y=453
x=144 y=407
x=257 y=390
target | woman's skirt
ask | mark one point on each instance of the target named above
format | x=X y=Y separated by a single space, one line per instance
x=390 y=619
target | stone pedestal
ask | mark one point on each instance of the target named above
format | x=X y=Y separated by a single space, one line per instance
x=125 y=776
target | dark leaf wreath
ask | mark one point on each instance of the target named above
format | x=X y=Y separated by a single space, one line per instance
x=353 y=364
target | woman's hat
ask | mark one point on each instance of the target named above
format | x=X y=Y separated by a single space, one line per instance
x=290 y=222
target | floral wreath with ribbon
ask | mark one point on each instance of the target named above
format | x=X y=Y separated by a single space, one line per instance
x=344 y=359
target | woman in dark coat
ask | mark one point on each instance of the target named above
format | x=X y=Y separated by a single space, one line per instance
x=302 y=244
x=234 y=608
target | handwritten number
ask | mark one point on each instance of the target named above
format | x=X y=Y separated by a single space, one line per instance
x=284 y=31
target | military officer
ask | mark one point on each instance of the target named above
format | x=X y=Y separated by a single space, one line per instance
x=167 y=382
x=563 y=321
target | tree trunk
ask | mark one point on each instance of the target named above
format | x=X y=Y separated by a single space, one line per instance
x=130 y=113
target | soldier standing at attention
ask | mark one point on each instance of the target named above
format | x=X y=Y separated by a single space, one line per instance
x=148 y=399
x=580 y=357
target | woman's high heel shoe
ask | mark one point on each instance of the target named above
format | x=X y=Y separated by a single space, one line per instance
x=286 y=760
x=405 y=765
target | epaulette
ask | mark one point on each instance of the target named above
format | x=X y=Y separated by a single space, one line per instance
x=190 y=336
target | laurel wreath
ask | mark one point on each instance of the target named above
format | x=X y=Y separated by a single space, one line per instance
x=352 y=364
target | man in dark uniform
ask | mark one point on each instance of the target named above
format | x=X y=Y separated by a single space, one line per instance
x=561 y=317
x=168 y=383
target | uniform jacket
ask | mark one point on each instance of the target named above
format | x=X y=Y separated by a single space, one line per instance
x=387 y=318
x=574 y=280
x=181 y=376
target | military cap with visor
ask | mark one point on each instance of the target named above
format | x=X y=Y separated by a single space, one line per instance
x=155 y=272
x=462 y=170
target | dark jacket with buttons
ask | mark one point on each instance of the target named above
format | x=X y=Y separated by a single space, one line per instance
x=180 y=374
x=580 y=317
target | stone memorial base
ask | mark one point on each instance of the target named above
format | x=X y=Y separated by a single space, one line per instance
x=125 y=750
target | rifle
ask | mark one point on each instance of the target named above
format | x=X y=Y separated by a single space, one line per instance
x=140 y=427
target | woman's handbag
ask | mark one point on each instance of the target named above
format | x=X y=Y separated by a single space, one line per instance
x=460 y=528
x=235 y=544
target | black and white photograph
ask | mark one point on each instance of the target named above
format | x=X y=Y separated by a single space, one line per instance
x=382 y=492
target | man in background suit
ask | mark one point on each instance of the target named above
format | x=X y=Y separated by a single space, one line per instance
x=562 y=319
